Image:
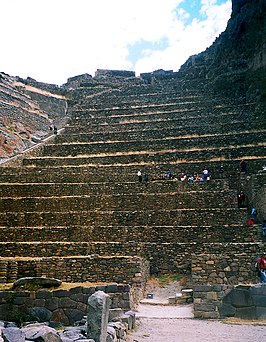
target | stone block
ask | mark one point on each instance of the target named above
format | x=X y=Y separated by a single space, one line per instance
x=115 y=314
x=78 y=297
x=61 y=293
x=132 y=314
x=258 y=290
x=197 y=301
x=111 y=288
x=171 y=300
x=212 y=295
x=204 y=307
x=13 y=334
x=248 y=313
x=97 y=316
x=202 y=288
x=74 y=315
x=75 y=290
x=67 y=303
x=227 y=310
x=259 y=300
x=60 y=316
x=88 y=290
x=261 y=313
x=43 y=294
x=210 y=315
x=51 y=303
x=39 y=302
x=239 y=298
x=41 y=314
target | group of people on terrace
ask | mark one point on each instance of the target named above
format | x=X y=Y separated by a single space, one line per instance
x=169 y=175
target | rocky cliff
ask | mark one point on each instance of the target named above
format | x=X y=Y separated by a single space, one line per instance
x=235 y=64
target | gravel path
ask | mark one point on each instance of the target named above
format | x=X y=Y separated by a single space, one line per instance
x=157 y=322
x=192 y=330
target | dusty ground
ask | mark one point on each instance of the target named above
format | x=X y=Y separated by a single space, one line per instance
x=158 y=322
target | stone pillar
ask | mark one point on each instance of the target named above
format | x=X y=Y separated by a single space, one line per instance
x=97 y=318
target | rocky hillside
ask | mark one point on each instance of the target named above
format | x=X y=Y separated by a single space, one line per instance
x=235 y=64
x=27 y=110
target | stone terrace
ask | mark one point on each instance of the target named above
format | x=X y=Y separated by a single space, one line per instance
x=79 y=206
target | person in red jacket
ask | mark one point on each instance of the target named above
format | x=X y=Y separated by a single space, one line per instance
x=261 y=265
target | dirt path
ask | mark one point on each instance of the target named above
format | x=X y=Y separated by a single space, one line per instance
x=192 y=330
x=159 y=322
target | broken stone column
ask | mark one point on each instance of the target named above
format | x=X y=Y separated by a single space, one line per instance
x=97 y=318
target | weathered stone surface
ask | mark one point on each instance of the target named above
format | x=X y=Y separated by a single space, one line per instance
x=42 y=332
x=239 y=298
x=97 y=318
x=13 y=334
x=37 y=281
x=41 y=314
x=260 y=313
x=227 y=310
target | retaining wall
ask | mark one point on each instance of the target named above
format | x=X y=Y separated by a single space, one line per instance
x=64 y=306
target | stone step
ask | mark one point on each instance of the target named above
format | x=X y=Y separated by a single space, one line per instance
x=202 y=156
x=120 y=201
x=178 y=255
x=154 y=114
x=168 y=144
x=112 y=188
x=127 y=172
x=153 y=122
x=160 y=104
x=71 y=134
x=154 y=234
x=215 y=216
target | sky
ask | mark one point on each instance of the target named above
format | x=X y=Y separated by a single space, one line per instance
x=52 y=40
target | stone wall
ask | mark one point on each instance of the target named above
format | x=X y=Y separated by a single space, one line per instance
x=230 y=267
x=64 y=306
x=215 y=275
x=129 y=270
x=221 y=301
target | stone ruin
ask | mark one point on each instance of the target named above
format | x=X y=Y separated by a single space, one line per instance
x=74 y=209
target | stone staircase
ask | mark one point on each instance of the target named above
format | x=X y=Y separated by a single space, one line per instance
x=77 y=211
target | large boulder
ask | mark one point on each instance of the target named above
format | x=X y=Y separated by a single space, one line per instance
x=41 y=332
x=13 y=334
x=39 y=282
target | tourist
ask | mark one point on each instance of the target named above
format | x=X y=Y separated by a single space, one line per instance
x=183 y=177
x=254 y=214
x=264 y=227
x=221 y=171
x=251 y=221
x=169 y=174
x=206 y=175
x=146 y=177
x=261 y=267
x=243 y=166
x=241 y=199
x=191 y=178
x=55 y=130
x=139 y=176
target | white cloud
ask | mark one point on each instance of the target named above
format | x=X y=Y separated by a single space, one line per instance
x=52 y=40
x=185 y=41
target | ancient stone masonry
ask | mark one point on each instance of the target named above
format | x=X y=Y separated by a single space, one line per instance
x=65 y=306
x=78 y=210
x=79 y=202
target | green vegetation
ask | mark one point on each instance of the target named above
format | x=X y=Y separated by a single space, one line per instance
x=167 y=279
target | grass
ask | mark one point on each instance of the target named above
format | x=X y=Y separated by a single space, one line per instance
x=164 y=280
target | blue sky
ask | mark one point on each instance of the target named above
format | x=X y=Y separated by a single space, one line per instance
x=52 y=40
